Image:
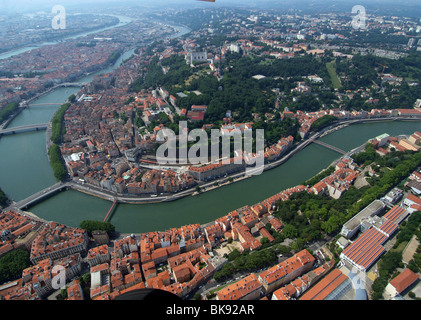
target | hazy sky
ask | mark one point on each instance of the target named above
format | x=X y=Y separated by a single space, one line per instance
x=11 y=6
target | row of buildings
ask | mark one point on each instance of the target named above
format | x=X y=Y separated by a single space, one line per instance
x=292 y=279
x=17 y=231
x=55 y=252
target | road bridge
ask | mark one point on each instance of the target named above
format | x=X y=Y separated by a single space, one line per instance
x=44 y=104
x=40 y=196
x=15 y=130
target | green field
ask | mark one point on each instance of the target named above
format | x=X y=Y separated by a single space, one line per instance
x=331 y=68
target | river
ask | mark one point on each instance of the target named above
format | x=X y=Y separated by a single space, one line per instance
x=25 y=170
x=123 y=21
x=27 y=151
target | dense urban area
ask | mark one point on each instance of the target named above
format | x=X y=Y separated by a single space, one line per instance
x=350 y=232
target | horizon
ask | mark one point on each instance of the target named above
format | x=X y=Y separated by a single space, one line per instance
x=407 y=7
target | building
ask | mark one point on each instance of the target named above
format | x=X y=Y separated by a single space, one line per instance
x=366 y=250
x=41 y=275
x=412 y=203
x=100 y=280
x=75 y=292
x=215 y=170
x=297 y=287
x=201 y=56
x=56 y=241
x=393 y=196
x=247 y=288
x=330 y=287
x=382 y=139
x=368 y=247
x=98 y=255
x=401 y=283
x=415 y=187
x=286 y=271
x=100 y=237
x=352 y=226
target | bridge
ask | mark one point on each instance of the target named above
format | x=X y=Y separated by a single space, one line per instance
x=44 y=104
x=71 y=84
x=15 y=130
x=330 y=147
x=40 y=196
x=25 y=104
x=111 y=209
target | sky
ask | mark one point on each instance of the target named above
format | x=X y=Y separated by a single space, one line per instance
x=408 y=6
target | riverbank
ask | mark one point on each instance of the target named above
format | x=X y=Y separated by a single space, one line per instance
x=28 y=47
x=217 y=184
x=71 y=207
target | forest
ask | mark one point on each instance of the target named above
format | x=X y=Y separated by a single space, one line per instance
x=363 y=71
x=12 y=264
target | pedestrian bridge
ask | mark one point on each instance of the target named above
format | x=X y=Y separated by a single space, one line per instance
x=15 y=130
x=324 y=144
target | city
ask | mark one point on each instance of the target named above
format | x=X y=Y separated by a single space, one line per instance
x=89 y=212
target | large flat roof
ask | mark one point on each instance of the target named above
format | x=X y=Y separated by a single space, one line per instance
x=368 y=211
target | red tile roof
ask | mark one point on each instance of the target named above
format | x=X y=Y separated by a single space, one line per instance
x=404 y=280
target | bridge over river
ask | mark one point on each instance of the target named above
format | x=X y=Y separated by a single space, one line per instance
x=31 y=127
x=326 y=145
x=39 y=196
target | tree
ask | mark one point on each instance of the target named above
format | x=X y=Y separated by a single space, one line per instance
x=92 y=225
x=323 y=122
x=12 y=264
x=290 y=231
x=6 y=111
x=72 y=98
x=3 y=198
x=332 y=224
x=56 y=162
x=57 y=127
x=298 y=244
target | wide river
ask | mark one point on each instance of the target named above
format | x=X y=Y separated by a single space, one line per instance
x=24 y=170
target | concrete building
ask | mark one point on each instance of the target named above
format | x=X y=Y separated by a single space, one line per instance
x=352 y=226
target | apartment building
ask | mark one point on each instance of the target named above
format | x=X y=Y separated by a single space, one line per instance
x=248 y=288
x=286 y=271
x=98 y=255
x=56 y=241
